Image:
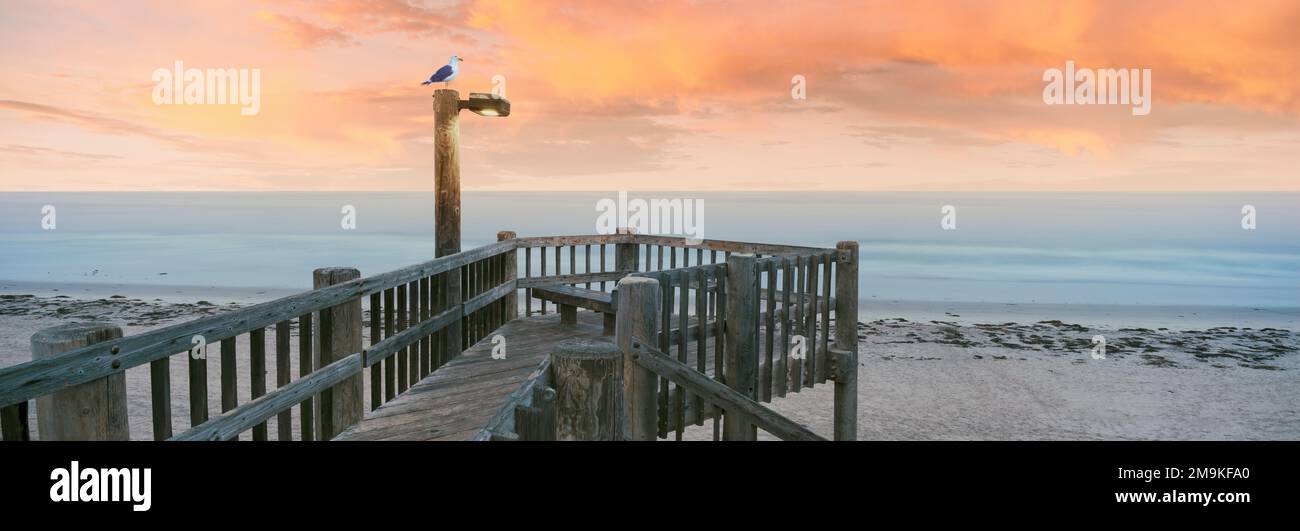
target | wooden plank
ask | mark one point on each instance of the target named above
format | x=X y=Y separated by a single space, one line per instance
x=306 y=415
x=766 y=379
x=720 y=345
x=580 y=278
x=376 y=335
x=160 y=389
x=597 y=301
x=825 y=308
x=14 y=425
x=400 y=357
x=426 y=311
x=257 y=374
x=198 y=373
x=390 y=329
x=796 y=322
x=683 y=300
x=735 y=402
x=665 y=341
x=283 y=331
x=701 y=339
x=229 y=376
x=229 y=425
x=810 y=368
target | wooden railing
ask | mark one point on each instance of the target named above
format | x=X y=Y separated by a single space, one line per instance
x=419 y=318
x=767 y=323
x=422 y=316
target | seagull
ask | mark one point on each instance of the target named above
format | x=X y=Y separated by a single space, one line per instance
x=446 y=73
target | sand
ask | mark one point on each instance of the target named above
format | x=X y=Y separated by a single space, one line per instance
x=948 y=377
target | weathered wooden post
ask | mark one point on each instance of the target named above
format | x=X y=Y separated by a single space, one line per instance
x=638 y=316
x=845 y=357
x=92 y=411
x=587 y=376
x=626 y=255
x=340 y=336
x=511 y=271
x=741 y=340
x=446 y=143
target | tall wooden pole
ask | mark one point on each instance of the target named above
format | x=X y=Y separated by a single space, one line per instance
x=846 y=342
x=92 y=411
x=446 y=134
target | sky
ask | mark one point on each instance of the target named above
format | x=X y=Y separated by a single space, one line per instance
x=663 y=95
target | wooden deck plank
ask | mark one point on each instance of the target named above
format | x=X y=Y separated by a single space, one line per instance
x=458 y=399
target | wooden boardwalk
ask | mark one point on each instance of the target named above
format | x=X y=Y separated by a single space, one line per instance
x=456 y=401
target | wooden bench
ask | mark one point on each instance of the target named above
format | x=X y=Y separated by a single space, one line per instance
x=570 y=298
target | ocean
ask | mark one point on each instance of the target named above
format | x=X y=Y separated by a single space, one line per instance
x=1151 y=248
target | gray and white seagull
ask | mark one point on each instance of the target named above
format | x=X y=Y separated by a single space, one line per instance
x=446 y=73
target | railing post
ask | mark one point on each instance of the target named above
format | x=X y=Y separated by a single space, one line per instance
x=626 y=255
x=340 y=336
x=511 y=271
x=92 y=411
x=741 y=333
x=446 y=164
x=587 y=375
x=846 y=341
x=455 y=299
x=638 y=316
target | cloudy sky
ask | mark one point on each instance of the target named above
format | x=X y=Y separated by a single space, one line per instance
x=664 y=95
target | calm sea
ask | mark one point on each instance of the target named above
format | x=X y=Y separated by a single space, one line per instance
x=1073 y=248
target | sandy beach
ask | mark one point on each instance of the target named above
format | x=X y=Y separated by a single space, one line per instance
x=972 y=371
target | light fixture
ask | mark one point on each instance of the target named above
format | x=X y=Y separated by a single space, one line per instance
x=484 y=104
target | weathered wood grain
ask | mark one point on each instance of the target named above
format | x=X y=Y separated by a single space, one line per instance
x=587 y=375
x=91 y=411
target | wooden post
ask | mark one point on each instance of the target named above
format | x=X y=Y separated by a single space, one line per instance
x=92 y=411
x=588 y=375
x=626 y=255
x=742 y=340
x=342 y=323
x=446 y=142
x=846 y=342
x=638 y=316
x=511 y=272
x=568 y=314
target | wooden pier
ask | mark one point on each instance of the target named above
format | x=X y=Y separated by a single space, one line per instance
x=642 y=337
x=428 y=368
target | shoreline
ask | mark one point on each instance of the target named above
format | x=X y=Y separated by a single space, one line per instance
x=956 y=371
x=961 y=312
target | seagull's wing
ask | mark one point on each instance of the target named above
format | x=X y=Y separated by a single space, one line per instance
x=442 y=74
